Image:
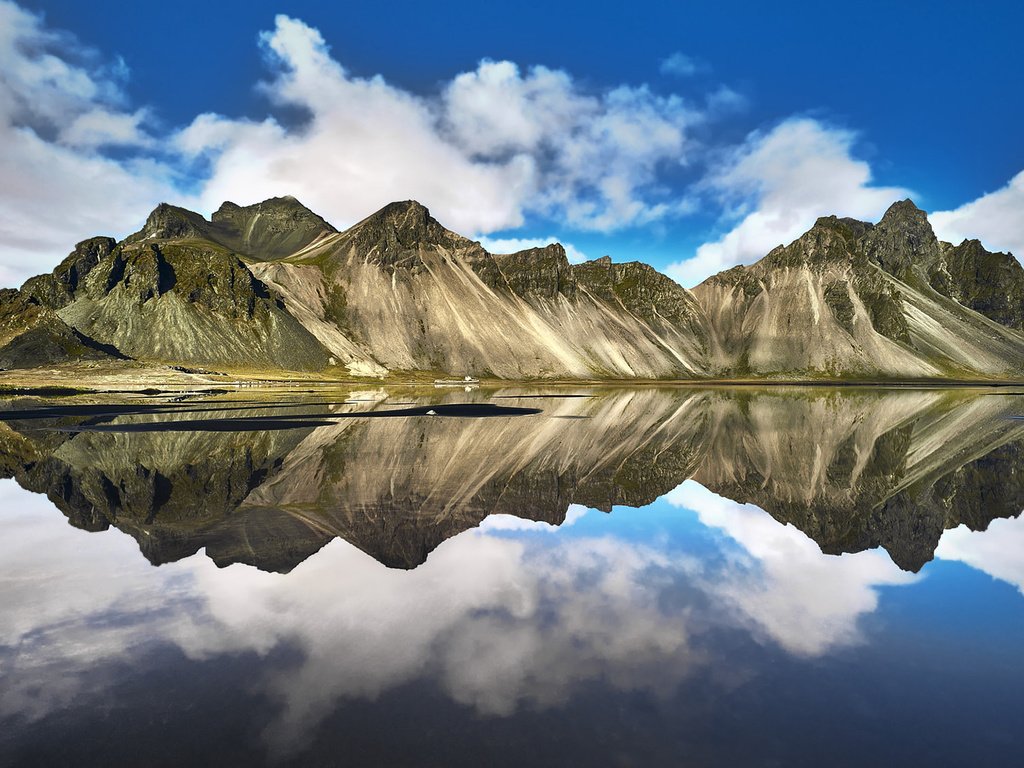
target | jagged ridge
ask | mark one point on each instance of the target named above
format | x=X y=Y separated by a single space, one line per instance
x=273 y=286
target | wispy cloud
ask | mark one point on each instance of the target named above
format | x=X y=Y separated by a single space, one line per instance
x=681 y=65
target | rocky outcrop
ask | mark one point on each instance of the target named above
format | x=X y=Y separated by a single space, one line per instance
x=273 y=229
x=991 y=284
x=187 y=302
x=57 y=289
x=32 y=335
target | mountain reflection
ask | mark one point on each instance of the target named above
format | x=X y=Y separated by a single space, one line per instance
x=853 y=469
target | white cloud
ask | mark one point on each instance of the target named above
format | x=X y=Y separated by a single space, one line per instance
x=681 y=65
x=513 y=244
x=493 y=144
x=54 y=114
x=99 y=127
x=489 y=147
x=776 y=184
x=995 y=218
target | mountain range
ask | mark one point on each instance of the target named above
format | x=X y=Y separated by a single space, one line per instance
x=274 y=287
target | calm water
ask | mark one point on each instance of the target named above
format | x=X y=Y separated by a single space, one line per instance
x=629 y=577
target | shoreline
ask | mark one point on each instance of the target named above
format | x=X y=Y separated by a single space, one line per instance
x=158 y=379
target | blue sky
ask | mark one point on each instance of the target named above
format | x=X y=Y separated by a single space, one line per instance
x=692 y=136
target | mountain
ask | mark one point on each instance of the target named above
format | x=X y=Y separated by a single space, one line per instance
x=398 y=291
x=853 y=468
x=852 y=300
x=273 y=287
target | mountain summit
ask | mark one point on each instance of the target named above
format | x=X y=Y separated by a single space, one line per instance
x=854 y=300
x=273 y=229
x=274 y=287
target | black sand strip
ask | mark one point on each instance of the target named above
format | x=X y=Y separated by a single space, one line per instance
x=299 y=421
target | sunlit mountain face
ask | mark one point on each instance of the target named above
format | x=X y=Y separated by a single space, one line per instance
x=518 y=576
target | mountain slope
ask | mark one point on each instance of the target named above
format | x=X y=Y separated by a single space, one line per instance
x=33 y=335
x=188 y=302
x=404 y=291
x=852 y=300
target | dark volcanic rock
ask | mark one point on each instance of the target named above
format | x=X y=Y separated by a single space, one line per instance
x=903 y=243
x=32 y=335
x=991 y=284
x=169 y=222
x=269 y=230
x=394 y=234
x=538 y=272
x=57 y=289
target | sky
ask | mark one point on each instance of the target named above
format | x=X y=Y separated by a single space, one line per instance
x=689 y=135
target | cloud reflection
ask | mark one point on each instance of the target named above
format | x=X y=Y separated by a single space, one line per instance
x=501 y=619
x=996 y=551
x=778 y=581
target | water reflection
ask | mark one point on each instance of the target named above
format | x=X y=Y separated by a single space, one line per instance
x=852 y=469
x=531 y=599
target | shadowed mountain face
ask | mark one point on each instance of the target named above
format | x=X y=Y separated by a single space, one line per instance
x=270 y=484
x=273 y=286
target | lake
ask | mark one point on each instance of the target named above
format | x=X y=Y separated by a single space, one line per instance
x=584 y=576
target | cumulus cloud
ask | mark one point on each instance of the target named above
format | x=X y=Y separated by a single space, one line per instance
x=485 y=150
x=775 y=185
x=513 y=244
x=492 y=145
x=994 y=218
x=59 y=106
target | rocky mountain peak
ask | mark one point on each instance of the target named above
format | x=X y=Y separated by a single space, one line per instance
x=400 y=227
x=57 y=289
x=285 y=213
x=409 y=220
x=169 y=222
x=903 y=242
x=272 y=229
x=904 y=210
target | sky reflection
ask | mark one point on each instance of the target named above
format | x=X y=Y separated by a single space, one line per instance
x=513 y=615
